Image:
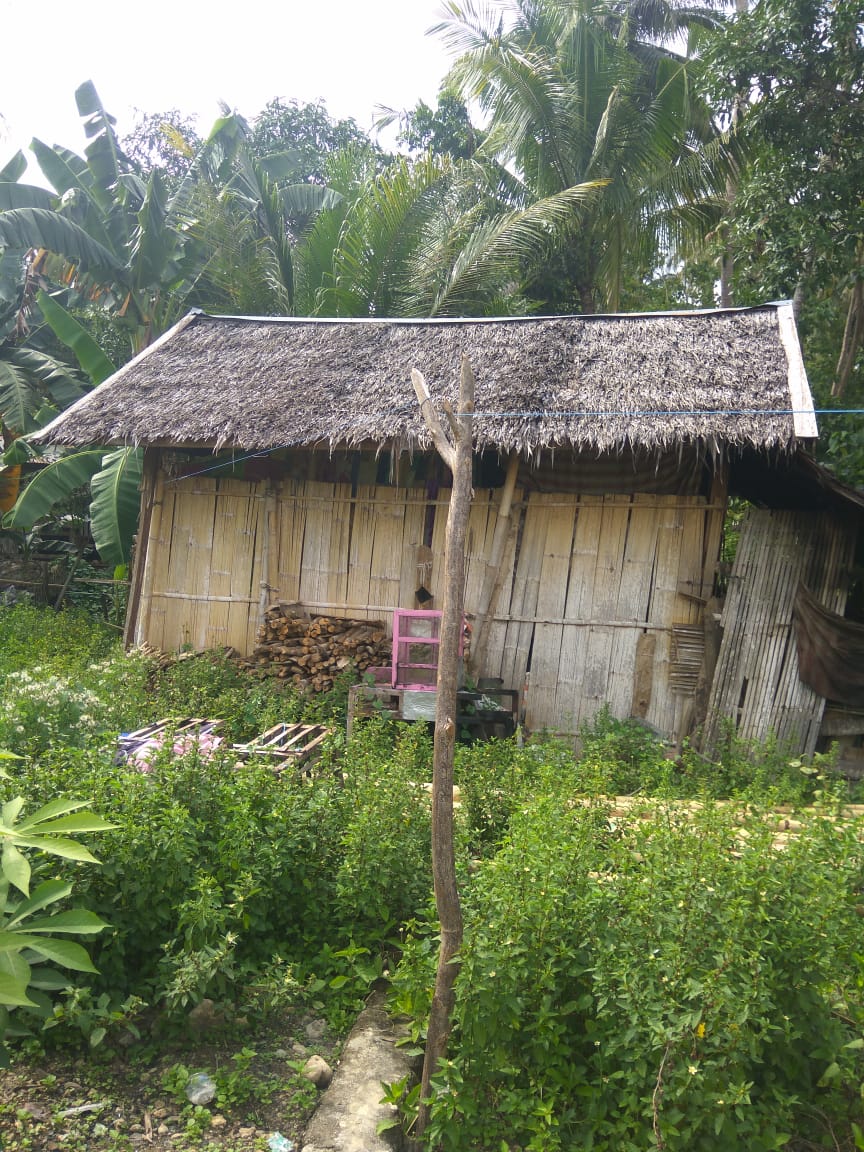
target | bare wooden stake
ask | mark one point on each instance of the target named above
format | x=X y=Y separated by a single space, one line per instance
x=458 y=456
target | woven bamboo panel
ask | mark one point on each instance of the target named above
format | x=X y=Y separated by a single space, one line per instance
x=756 y=684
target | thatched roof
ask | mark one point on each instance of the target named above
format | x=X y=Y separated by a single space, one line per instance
x=650 y=380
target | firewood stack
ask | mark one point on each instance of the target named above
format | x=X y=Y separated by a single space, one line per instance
x=312 y=650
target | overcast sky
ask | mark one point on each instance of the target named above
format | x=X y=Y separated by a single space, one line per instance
x=190 y=54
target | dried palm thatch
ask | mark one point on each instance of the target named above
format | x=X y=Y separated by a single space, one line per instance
x=597 y=383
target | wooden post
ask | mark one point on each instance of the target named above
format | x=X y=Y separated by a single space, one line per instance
x=458 y=457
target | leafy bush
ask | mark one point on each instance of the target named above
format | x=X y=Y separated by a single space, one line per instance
x=29 y=935
x=672 y=982
x=385 y=869
x=64 y=643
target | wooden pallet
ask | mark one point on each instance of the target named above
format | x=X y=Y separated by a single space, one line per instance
x=294 y=744
x=129 y=742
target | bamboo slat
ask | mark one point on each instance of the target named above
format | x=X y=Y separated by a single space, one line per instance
x=526 y=587
x=607 y=580
x=551 y=601
x=499 y=607
x=360 y=552
x=578 y=607
x=292 y=519
x=664 y=608
x=634 y=595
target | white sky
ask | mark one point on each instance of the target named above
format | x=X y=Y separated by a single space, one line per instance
x=189 y=54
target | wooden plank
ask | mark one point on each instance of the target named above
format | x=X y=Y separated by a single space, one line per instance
x=413 y=527
x=385 y=576
x=580 y=597
x=360 y=551
x=607 y=581
x=526 y=586
x=501 y=600
x=292 y=518
x=664 y=607
x=634 y=595
x=551 y=602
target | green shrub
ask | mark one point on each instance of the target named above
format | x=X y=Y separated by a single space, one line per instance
x=385 y=870
x=62 y=642
x=675 y=982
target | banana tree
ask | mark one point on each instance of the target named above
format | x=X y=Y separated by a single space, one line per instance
x=116 y=240
x=114 y=477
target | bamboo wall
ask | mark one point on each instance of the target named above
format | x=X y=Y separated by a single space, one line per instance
x=756 y=685
x=591 y=588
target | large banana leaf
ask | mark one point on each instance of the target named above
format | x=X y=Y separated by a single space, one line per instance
x=115 y=504
x=54 y=483
x=67 y=329
x=41 y=228
x=18 y=398
x=15 y=168
x=53 y=375
x=62 y=168
x=14 y=195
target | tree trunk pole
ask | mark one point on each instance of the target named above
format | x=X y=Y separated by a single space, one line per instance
x=458 y=456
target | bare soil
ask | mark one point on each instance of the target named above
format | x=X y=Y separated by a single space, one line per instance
x=134 y=1098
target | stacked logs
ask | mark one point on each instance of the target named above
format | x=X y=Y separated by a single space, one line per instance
x=311 y=651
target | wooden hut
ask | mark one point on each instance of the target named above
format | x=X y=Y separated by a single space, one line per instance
x=287 y=460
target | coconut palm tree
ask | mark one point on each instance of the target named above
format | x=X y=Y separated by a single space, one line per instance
x=593 y=90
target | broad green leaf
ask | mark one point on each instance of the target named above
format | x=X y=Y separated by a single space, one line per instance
x=13 y=964
x=24 y=196
x=41 y=228
x=77 y=822
x=53 y=375
x=11 y=810
x=16 y=867
x=48 y=892
x=65 y=170
x=15 y=168
x=155 y=246
x=62 y=952
x=48 y=979
x=18 y=398
x=18 y=452
x=67 y=329
x=51 y=810
x=115 y=504
x=52 y=484
x=77 y=921
x=57 y=846
x=14 y=993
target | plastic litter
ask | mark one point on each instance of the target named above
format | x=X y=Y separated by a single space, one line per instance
x=201 y=1089
x=280 y=1143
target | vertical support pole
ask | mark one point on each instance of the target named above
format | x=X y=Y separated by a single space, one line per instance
x=458 y=457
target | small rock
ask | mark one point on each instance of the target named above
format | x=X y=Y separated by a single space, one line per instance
x=299 y=1049
x=159 y=1113
x=218 y=1121
x=315 y=1030
x=204 y=1015
x=162 y=1130
x=136 y=1127
x=245 y=1133
x=318 y=1071
x=281 y=1053
x=172 y=1119
x=36 y=1111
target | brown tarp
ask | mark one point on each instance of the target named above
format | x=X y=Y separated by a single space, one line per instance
x=830 y=651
